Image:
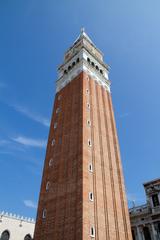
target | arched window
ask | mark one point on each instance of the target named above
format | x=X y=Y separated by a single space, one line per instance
x=93 y=64
x=88 y=122
x=88 y=105
x=101 y=71
x=90 y=167
x=65 y=71
x=58 y=110
x=73 y=64
x=97 y=67
x=92 y=232
x=59 y=97
x=5 y=235
x=69 y=68
x=89 y=143
x=47 y=186
x=44 y=213
x=91 y=196
x=53 y=142
x=50 y=162
x=28 y=237
x=77 y=60
x=88 y=59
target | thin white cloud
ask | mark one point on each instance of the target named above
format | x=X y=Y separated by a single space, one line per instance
x=29 y=204
x=32 y=115
x=8 y=147
x=30 y=141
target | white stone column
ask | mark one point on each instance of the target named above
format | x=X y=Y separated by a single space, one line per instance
x=138 y=234
x=153 y=232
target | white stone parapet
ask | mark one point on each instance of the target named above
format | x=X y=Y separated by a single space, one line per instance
x=17 y=217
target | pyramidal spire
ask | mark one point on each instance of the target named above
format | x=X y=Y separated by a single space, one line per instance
x=83 y=34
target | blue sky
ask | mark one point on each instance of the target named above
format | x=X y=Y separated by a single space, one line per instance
x=34 y=35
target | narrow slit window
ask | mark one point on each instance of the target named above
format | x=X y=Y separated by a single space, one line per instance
x=91 y=196
x=90 y=167
x=77 y=60
x=88 y=122
x=55 y=125
x=92 y=232
x=59 y=97
x=88 y=105
x=89 y=143
x=58 y=110
x=87 y=91
x=53 y=142
x=47 y=186
x=44 y=214
x=50 y=162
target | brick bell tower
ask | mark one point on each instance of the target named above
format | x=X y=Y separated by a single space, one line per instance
x=82 y=194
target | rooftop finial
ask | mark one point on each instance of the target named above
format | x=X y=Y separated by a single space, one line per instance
x=82 y=30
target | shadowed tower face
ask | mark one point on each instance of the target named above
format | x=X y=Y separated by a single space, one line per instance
x=82 y=193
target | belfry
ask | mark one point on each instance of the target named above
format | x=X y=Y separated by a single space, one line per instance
x=82 y=193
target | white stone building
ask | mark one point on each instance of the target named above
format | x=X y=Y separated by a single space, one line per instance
x=13 y=227
x=145 y=219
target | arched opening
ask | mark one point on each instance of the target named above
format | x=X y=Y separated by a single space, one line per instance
x=65 y=71
x=73 y=64
x=28 y=237
x=88 y=59
x=69 y=68
x=77 y=60
x=93 y=64
x=101 y=71
x=5 y=235
x=146 y=232
x=97 y=68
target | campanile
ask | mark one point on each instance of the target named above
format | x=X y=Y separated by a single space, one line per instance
x=82 y=193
